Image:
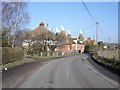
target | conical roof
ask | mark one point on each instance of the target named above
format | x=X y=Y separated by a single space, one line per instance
x=57 y=30
x=62 y=28
x=69 y=34
x=81 y=36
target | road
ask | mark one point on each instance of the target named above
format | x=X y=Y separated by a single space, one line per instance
x=68 y=72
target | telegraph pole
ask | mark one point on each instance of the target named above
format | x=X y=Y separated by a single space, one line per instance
x=97 y=34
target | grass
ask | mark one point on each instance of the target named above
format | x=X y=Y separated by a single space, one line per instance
x=50 y=57
x=44 y=57
x=109 y=54
x=27 y=60
x=109 y=63
x=16 y=63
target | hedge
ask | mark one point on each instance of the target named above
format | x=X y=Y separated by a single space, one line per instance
x=0 y=55
x=110 y=64
x=10 y=54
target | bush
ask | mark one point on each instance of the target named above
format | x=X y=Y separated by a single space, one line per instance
x=115 y=65
x=12 y=54
x=0 y=55
x=89 y=48
x=108 y=54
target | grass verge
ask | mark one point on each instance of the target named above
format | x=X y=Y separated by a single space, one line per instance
x=50 y=57
x=16 y=63
x=112 y=64
x=44 y=57
x=27 y=60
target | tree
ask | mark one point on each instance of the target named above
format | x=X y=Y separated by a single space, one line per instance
x=20 y=36
x=61 y=40
x=100 y=43
x=42 y=41
x=90 y=48
x=5 y=40
x=14 y=17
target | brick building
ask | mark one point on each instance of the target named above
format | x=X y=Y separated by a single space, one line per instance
x=90 y=42
x=74 y=44
x=71 y=47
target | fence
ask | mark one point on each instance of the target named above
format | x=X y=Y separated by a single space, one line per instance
x=53 y=53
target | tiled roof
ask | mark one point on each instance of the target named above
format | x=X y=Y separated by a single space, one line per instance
x=41 y=22
x=74 y=38
x=38 y=31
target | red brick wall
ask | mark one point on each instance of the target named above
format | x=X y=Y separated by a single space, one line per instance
x=71 y=47
x=81 y=47
x=65 y=48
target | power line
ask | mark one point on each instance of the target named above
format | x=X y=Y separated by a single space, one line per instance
x=102 y=32
x=92 y=17
x=97 y=24
x=93 y=20
x=105 y=37
x=89 y=26
x=88 y=11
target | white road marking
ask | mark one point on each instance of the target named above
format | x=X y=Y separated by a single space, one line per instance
x=67 y=71
x=67 y=74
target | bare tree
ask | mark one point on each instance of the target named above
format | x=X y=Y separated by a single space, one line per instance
x=14 y=17
x=61 y=39
x=0 y=36
x=43 y=41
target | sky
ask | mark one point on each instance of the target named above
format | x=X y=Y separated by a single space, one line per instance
x=74 y=17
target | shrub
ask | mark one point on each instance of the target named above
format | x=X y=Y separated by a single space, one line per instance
x=0 y=55
x=89 y=48
x=112 y=64
x=12 y=54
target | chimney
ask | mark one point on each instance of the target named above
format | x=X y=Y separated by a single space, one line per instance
x=41 y=24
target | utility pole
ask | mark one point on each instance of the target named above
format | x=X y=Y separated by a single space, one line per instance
x=97 y=35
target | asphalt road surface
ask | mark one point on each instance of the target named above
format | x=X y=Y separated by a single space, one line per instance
x=68 y=72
